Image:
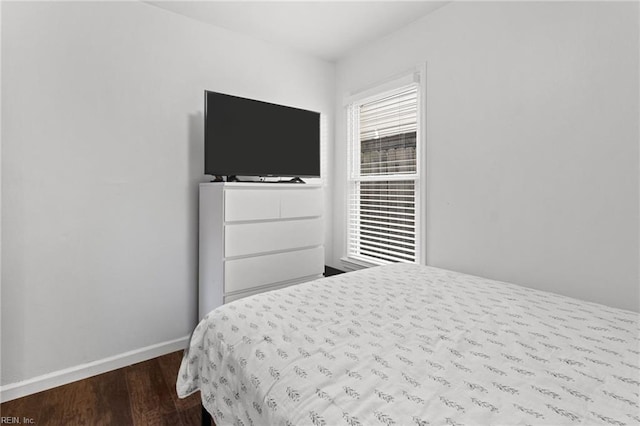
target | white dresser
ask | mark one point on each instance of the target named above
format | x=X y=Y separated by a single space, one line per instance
x=256 y=237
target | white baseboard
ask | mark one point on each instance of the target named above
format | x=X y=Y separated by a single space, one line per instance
x=83 y=371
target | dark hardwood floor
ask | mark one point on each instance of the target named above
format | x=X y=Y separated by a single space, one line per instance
x=141 y=394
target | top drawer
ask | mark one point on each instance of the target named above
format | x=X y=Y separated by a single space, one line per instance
x=270 y=204
x=300 y=203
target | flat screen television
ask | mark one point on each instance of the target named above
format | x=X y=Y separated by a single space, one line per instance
x=246 y=137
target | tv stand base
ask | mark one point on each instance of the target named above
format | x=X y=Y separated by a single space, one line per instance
x=235 y=178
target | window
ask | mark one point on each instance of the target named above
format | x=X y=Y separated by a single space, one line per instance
x=384 y=168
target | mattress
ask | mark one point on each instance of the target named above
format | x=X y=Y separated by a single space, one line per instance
x=406 y=344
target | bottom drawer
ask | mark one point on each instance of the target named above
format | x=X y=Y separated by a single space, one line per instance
x=251 y=292
x=247 y=273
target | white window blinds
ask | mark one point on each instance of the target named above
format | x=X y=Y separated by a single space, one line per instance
x=383 y=178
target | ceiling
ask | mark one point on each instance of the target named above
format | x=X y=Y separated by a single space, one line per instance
x=326 y=29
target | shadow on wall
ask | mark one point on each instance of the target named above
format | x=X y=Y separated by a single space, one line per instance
x=196 y=175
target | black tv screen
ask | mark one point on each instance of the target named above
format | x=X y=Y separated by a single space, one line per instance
x=247 y=137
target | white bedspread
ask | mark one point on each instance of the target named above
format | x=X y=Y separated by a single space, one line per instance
x=414 y=345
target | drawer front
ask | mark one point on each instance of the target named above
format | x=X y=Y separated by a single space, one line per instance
x=247 y=293
x=249 y=238
x=301 y=203
x=251 y=204
x=247 y=273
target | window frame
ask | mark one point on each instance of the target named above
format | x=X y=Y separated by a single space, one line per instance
x=353 y=175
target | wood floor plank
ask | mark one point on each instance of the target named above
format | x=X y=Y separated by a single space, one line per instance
x=151 y=400
x=191 y=416
x=189 y=408
x=113 y=406
x=29 y=407
x=80 y=404
x=70 y=404
x=99 y=400
x=139 y=395
x=170 y=364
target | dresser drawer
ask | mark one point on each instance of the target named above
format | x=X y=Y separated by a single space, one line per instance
x=253 y=238
x=242 y=274
x=251 y=204
x=300 y=203
x=240 y=295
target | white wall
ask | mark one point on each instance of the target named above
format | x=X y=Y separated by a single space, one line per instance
x=532 y=141
x=101 y=156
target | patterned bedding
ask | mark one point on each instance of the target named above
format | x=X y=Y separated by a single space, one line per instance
x=414 y=345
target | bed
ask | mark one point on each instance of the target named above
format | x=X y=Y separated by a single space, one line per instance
x=406 y=344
